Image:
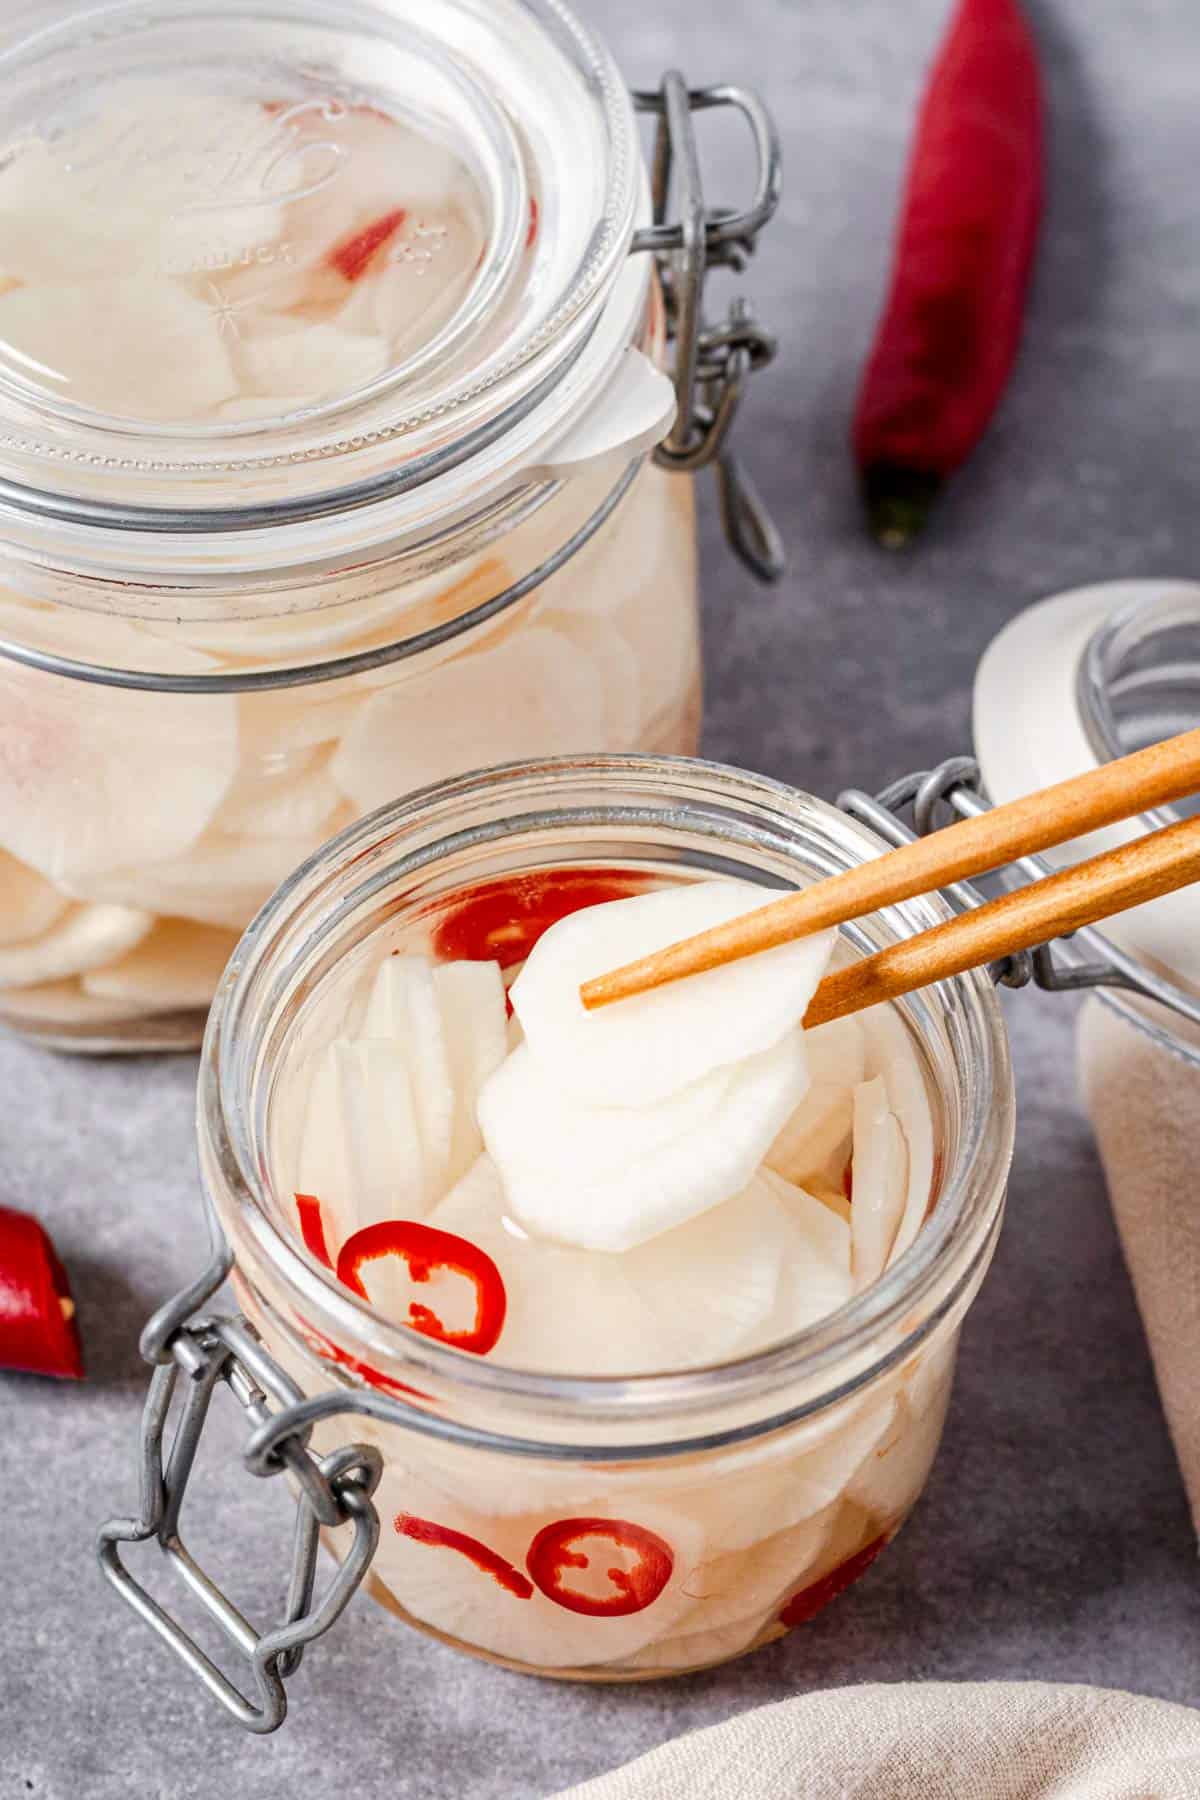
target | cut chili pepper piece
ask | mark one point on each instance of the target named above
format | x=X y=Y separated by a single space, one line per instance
x=534 y=218
x=442 y=1537
x=312 y=1228
x=354 y=255
x=330 y=1352
x=39 y=1333
x=424 y=1249
x=812 y=1600
x=501 y=921
x=552 y=1551
x=965 y=246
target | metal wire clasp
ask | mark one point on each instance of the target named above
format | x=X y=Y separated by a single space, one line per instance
x=194 y=1357
x=713 y=363
x=1090 y=961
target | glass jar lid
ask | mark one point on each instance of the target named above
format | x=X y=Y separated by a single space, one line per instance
x=254 y=257
x=1079 y=680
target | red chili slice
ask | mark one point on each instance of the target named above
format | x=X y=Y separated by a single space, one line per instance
x=635 y=1589
x=352 y=258
x=38 y=1330
x=500 y=921
x=812 y=1600
x=424 y=1248
x=312 y=1228
x=427 y=1531
x=534 y=218
x=965 y=249
x=330 y=1352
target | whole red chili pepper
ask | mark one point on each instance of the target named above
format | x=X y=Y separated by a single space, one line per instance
x=964 y=252
x=425 y=1248
x=38 y=1329
x=428 y=1531
x=633 y=1589
x=500 y=921
x=812 y=1600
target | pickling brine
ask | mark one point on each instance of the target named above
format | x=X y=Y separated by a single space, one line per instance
x=328 y=389
x=678 y=1182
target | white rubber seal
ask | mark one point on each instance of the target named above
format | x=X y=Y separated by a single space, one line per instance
x=1029 y=733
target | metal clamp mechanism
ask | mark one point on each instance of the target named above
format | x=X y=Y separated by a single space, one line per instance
x=331 y=1491
x=1093 y=961
x=713 y=363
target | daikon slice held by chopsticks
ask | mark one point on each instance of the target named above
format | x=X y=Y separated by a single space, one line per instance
x=964 y=251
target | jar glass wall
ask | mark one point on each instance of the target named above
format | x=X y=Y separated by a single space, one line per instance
x=733 y=1500
x=325 y=471
x=141 y=828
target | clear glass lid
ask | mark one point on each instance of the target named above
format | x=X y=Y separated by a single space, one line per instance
x=246 y=243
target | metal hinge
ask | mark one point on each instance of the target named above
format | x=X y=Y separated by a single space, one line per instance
x=713 y=363
x=332 y=1491
x=1086 y=960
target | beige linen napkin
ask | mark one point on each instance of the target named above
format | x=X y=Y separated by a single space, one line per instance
x=1000 y=1740
x=1143 y=1098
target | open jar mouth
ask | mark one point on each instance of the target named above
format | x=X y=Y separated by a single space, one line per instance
x=662 y=813
x=220 y=120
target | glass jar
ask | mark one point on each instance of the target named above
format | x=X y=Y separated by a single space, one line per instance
x=732 y=1500
x=342 y=460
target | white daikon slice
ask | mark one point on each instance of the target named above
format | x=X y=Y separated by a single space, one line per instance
x=82 y=939
x=442 y=1587
x=222 y=881
x=891 y=1054
x=748 y=1583
x=403 y=1009
x=568 y=1312
x=361 y=1153
x=532 y=696
x=609 y=1178
x=814 y=1145
x=615 y=668
x=287 y=802
x=880 y=1182
x=710 y=1287
x=127 y=779
x=471 y=1000
x=29 y=904
x=890 y=1479
x=837 y=1052
x=640 y=1050
x=127 y=346
x=320 y=361
x=693 y=1296
x=698 y=1649
x=60 y=1003
x=176 y=967
x=816 y=1278
x=815 y=1142
x=928 y=1374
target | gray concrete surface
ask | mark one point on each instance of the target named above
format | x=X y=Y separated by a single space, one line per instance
x=1053 y=1541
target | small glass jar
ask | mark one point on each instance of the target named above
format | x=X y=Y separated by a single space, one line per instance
x=342 y=461
x=733 y=1500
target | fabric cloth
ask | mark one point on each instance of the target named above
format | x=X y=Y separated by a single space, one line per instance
x=997 y=1740
x=1143 y=1098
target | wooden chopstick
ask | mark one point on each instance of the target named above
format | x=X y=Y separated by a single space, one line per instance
x=1118 y=790
x=1090 y=891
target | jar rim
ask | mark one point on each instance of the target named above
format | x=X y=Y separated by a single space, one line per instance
x=371 y=449
x=959 y=1231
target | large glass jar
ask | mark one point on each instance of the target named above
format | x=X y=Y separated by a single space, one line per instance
x=329 y=388
x=734 y=1500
